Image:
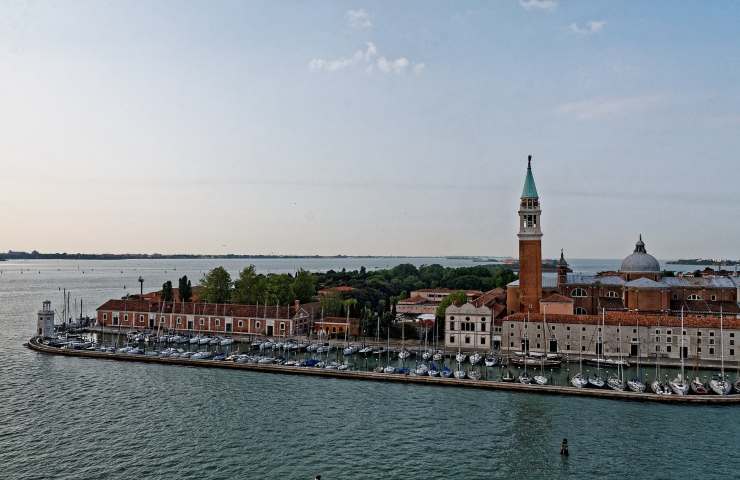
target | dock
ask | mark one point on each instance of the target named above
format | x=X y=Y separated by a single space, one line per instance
x=36 y=345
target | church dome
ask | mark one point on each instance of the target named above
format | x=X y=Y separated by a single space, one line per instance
x=640 y=260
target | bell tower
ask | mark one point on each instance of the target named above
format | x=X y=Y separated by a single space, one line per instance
x=530 y=245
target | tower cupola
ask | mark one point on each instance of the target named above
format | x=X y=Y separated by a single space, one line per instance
x=530 y=245
x=529 y=207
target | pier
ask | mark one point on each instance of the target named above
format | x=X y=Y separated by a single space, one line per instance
x=36 y=345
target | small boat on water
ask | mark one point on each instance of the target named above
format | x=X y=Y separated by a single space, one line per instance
x=366 y=350
x=437 y=356
x=525 y=379
x=636 y=385
x=227 y=341
x=426 y=356
x=421 y=370
x=343 y=366
x=460 y=374
x=445 y=372
x=474 y=374
x=720 y=385
x=578 y=380
x=350 y=350
x=697 y=387
x=475 y=358
x=266 y=360
x=596 y=381
x=204 y=340
x=404 y=354
x=508 y=376
x=389 y=369
x=660 y=388
x=460 y=357
x=679 y=385
x=616 y=383
x=490 y=360
x=194 y=340
x=433 y=371
x=540 y=379
x=608 y=362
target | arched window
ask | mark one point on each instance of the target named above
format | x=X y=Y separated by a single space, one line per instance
x=578 y=292
x=612 y=294
x=694 y=296
x=580 y=311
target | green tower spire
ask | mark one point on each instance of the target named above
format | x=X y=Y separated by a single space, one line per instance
x=530 y=189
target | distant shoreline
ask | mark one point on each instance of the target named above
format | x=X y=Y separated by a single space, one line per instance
x=704 y=262
x=184 y=256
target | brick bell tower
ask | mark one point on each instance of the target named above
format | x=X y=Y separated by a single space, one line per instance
x=530 y=246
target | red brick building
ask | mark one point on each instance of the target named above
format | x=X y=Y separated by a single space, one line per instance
x=334 y=327
x=205 y=318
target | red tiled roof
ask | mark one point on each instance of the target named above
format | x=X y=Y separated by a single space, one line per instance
x=415 y=300
x=497 y=295
x=190 y=308
x=629 y=319
x=341 y=320
x=557 y=298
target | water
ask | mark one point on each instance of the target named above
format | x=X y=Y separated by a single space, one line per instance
x=74 y=418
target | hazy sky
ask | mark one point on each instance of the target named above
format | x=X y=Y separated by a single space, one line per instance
x=369 y=128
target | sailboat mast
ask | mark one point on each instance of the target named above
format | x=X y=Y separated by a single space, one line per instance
x=721 y=344
x=682 y=343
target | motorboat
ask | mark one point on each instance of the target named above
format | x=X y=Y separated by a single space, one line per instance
x=698 y=387
x=266 y=360
x=331 y=366
x=201 y=356
x=578 y=380
x=540 y=379
x=608 y=362
x=220 y=356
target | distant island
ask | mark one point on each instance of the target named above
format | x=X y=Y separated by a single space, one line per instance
x=35 y=255
x=703 y=261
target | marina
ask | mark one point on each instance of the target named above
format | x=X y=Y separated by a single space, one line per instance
x=317 y=367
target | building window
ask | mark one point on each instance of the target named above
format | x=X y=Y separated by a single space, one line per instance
x=452 y=339
x=202 y=321
x=578 y=292
x=732 y=352
x=583 y=329
x=512 y=345
x=714 y=297
x=698 y=349
x=452 y=324
x=467 y=339
x=482 y=319
x=567 y=328
x=105 y=316
x=580 y=311
x=698 y=334
x=125 y=317
x=241 y=323
x=179 y=321
x=567 y=347
x=483 y=342
x=482 y=327
x=583 y=348
x=612 y=294
x=467 y=319
x=711 y=334
x=282 y=326
x=668 y=339
x=657 y=339
x=675 y=296
x=657 y=332
x=711 y=341
x=668 y=332
x=694 y=296
x=141 y=318
x=711 y=351
x=668 y=349
x=257 y=325
x=452 y=318
x=732 y=334
x=657 y=348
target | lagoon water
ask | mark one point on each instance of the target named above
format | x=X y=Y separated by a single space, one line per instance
x=74 y=418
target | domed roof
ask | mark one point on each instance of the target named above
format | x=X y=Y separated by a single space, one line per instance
x=640 y=260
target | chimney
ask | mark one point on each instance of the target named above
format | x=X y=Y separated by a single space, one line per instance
x=297 y=305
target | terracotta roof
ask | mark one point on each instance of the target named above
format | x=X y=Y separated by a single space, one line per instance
x=448 y=290
x=341 y=320
x=415 y=300
x=702 y=306
x=497 y=295
x=557 y=298
x=209 y=309
x=630 y=319
x=611 y=303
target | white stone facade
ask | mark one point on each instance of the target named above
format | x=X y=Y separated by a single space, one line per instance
x=468 y=327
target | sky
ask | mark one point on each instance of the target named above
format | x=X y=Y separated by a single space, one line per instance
x=369 y=128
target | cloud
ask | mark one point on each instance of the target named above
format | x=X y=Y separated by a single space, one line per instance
x=594 y=26
x=604 y=107
x=358 y=19
x=370 y=60
x=542 y=5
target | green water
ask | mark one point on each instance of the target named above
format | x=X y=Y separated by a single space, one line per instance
x=76 y=418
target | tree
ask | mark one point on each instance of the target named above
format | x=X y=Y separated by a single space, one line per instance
x=250 y=288
x=304 y=286
x=185 y=288
x=332 y=304
x=217 y=285
x=456 y=298
x=167 y=291
x=279 y=288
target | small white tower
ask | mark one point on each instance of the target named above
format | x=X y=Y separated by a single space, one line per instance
x=45 y=322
